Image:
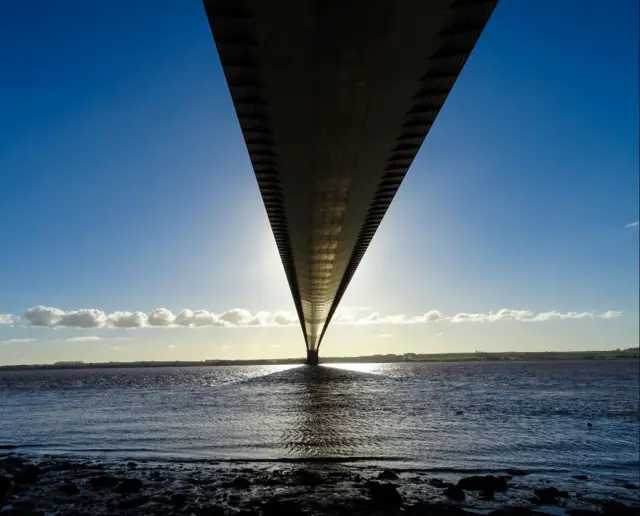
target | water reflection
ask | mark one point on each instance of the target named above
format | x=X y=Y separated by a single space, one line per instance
x=362 y=367
x=328 y=419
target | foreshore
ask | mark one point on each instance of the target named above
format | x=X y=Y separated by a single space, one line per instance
x=73 y=486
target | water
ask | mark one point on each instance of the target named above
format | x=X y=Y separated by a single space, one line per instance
x=444 y=417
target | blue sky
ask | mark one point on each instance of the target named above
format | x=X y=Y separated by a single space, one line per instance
x=125 y=187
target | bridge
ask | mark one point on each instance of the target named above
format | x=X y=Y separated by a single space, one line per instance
x=334 y=99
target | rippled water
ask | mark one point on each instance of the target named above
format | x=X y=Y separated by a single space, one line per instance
x=447 y=416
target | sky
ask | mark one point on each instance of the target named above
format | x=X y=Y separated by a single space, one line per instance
x=133 y=229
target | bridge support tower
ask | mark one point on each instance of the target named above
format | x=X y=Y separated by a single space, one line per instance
x=312 y=357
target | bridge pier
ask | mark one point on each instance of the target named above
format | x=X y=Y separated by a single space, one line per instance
x=312 y=357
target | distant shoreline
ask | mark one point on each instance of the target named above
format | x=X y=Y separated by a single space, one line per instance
x=626 y=354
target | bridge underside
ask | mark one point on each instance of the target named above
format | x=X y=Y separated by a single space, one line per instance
x=334 y=99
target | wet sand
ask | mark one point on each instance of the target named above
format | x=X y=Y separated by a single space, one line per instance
x=70 y=486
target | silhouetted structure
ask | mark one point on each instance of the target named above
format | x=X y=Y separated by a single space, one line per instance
x=334 y=99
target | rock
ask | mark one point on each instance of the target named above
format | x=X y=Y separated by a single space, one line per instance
x=387 y=474
x=581 y=512
x=28 y=475
x=129 y=486
x=5 y=486
x=131 y=465
x=631 y=485
x=611 y=508
x=234 y=500
x=515 y=472
x=15 y=511
x=210 y=510
x=512 y=511
x=549 y=495
x=581 y=477
x=69 y=489
x=483 y=483
x=455 y=493
x=435 y=509
x=11 y=463
x=178 y=499
x=487 y=495
x=22 y=508
x=384 y=494
x=240 y=483
x=155 y=475
x=103 y=482
x=281 y=508
x=132 y=503
x=308 y=478
x=441 y=484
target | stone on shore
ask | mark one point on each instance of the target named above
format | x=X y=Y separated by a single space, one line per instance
x=28 y=475
x=483 y=483
x=103 y=482
x=384 y=494
x=308 y=478
x=549 y=495
x=240 y=483
x=455 y=493
x=129 y=486
x=387 y=474
x=69 y=488
x=5 y=486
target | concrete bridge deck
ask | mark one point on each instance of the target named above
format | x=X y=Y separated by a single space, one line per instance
x=334 y=99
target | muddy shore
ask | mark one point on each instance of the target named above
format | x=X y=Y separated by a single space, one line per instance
x=70 y=486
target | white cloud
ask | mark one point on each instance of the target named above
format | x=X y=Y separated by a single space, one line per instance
x=609 y=314
x=86 y=338
x=199 y=318
x=238 y=317
x=56 y=318
x=632 y=225
x=127 y=319
x=7 y=319
x=284 y=318
x=160 y=317
x=16 y=341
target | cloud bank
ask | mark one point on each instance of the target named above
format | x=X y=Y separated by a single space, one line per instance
x=7 y=319
x=632 y=225
x=51 y=317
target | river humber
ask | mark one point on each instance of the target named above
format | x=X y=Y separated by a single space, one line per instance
x=572 y=424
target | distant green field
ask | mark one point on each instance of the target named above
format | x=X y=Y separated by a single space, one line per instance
x=506 y=356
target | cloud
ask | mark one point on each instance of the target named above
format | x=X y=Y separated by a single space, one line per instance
x=16 y=341
x=43 y=316
x=198 y=318
x=86 y=338
x=160 y=317
x=56 y=318
x=632 y=225
x=127 y=319
x=385 y=335
x=7 y=319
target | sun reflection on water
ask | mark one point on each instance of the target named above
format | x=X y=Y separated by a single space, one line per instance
x=361 y=367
